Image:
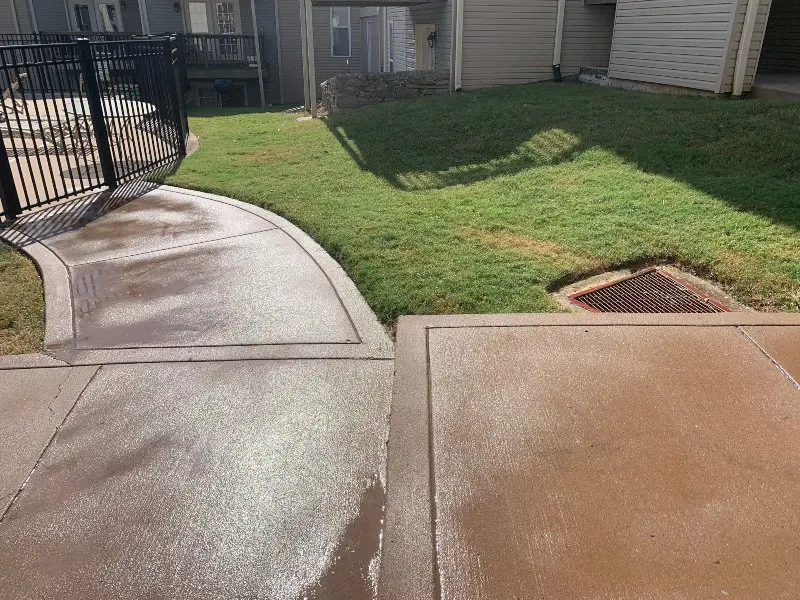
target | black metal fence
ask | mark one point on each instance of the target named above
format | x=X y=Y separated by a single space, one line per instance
x=80 y=116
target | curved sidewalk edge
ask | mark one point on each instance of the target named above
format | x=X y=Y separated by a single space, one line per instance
x=65 y=240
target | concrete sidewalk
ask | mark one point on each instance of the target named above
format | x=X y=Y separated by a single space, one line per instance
x=594 y=456
x=210 y=419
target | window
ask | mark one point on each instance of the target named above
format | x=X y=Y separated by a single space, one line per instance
x=108 y=15
x=82 y=20
x=340 y=31
x=390 y=47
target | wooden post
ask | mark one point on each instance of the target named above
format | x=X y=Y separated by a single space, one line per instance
x=304 y=52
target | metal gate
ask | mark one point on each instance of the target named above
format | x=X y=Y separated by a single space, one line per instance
x=82 y=116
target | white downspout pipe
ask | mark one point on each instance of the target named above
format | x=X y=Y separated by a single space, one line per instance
x=459 y=45
x=744 y=47
x=257 y=44
x=279 y=68
x=304 y=52
x=15 y=16
x=143 y=17
x=34 y=23
x=559 y=36
x=312 y=71
x=384 y=22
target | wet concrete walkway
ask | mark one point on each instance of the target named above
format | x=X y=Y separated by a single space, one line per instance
x=210 y=418
x=594 y=456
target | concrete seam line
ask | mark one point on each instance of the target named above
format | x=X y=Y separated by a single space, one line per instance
x=778 y=365
x=52 y=437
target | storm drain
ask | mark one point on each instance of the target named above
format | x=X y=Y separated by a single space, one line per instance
x=649 y=291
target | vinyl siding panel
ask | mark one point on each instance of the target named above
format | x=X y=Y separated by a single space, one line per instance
x=163 y=18
x=326 y=65
x=512 y=41
x=441 y=15
x=781 y=48
x=7 y=24
x=587 y=36
x=672 y=42
x=755 y=46
x=403 y=38
x=507 y=41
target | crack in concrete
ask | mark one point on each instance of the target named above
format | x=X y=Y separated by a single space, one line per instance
x=16 y=494
x=783 y=371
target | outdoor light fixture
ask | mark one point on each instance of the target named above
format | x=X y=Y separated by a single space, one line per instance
x=432 y=39
x=177 y=7
x=123 y=5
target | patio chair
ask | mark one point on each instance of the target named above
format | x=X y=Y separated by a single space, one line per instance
x=28 y=126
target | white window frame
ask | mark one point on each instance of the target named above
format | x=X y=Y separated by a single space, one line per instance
x=349 y=33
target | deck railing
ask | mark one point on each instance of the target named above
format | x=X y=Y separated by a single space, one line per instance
x=207 y=50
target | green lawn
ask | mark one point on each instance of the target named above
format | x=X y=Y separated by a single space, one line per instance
x=487 y=201
x=21 y=304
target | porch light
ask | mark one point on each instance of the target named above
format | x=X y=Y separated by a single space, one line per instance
x=177 y=7
x=432 y=39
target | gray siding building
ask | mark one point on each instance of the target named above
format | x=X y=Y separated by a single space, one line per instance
x=715 y=46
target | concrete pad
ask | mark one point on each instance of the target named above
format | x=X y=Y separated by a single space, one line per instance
x=782 y=344
x=590 y=461
x=158 y=220
x=255 y=289
x=33 y=403
x=260 y=480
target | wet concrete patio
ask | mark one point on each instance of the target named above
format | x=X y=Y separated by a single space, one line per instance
x=213 y=417
x=601 y=456
x=225 y=436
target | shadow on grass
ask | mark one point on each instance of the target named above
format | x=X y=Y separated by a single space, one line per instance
x=743 y=152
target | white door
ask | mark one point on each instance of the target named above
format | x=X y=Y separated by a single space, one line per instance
x=96 y=15
x=425 y=55
x=197 y=16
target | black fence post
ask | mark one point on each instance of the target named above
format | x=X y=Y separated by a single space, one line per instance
x=8 y=189
x=96 y=110
x=175 y=85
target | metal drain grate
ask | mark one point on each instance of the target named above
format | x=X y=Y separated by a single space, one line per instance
x=649 y=291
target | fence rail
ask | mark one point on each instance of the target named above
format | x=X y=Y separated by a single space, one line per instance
x=80 y=116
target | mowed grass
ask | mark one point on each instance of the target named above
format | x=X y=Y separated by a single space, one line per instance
x=21 y=304
x=487 y=201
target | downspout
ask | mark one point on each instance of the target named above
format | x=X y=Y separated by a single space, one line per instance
x=257 y=43
x=279 y=68
x=459 y=45
x=304 y=53
x=312 y=71
x=143 y=17
x=559 y=36
x=384 y=21
x=15 y=16
x=34 y=23
x=744 y=47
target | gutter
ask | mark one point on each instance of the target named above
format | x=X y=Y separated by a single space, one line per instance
x=744 y=47
x=559 y=37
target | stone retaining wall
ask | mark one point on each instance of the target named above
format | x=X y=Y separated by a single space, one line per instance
x=352 y=90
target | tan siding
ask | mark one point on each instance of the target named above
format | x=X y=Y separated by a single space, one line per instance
x=511 y=41
x=507 y=41
x=441 y=15
x=326 y=65
x=587 y=36
x=403 y=39
x=672 y=42
x=755 y=46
